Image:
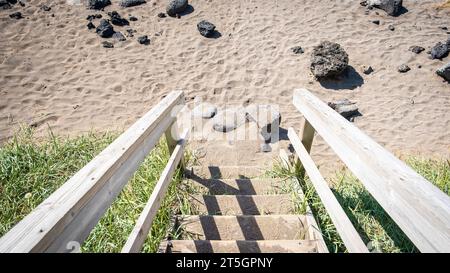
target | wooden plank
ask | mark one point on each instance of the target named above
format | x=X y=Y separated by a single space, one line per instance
x=69 y=214
x=419 y=208
x=307 y=135
x=144 y=223
x=313 y=228
x=343 y=225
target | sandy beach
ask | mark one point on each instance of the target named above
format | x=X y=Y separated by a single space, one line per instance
x=55 y=72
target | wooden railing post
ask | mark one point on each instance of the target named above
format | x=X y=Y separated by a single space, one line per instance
x=307 y=135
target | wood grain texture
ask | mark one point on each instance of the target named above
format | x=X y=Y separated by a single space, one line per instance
x=70 y=213
x=419 y=208
x=343 y=225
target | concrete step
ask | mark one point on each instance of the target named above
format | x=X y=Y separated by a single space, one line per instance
x=243 y=204
x=268 y=246
x=244 y=227
x=238 y=186
x=215 y=172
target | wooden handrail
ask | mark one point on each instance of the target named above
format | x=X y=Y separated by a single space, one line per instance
x=344 y=227
x=144 y=223
x=419 y=208
x=71 y=212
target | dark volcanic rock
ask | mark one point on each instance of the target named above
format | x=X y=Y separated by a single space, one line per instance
x=391 y=7
x=206 y=28
x=403 y=68
x=444 y=72
x=105 y=29
x=328 y=59
x=391 y=28
x=119 y=36
x=144 y=40
x=117 y=20
x=93 y=16
x=98 y=4
x=132 y=18
x=4 y=4
x=161 y=15
x=107 y=44
x=130 y=32
x=439 y=51
x=90 y=25
x=297 y=50
x=131 y=3
x=176 y=6
x=367 y=70
x=416 y=49
x=376 y=22
x=16 y=15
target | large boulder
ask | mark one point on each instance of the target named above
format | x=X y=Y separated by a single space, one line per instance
x=131 y=3
x=328 y=59
x=206 y=28
x=98 y=4
x=175 y=7
x=391 y=7
x=444 y=72
x=267 y=117
x=229 y=119
x=105 y=29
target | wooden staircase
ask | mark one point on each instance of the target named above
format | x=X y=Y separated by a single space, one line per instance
x=239 y=210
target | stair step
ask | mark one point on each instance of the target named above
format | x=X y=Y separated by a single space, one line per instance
x=238 y=186
x=243 y=204
x=244 y=227
x=215 y=172
x=268 y=246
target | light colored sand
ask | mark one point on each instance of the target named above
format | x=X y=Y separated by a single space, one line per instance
x=54 y=70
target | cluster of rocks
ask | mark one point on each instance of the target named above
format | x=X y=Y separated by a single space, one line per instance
x=266 y=117
x=7 y=4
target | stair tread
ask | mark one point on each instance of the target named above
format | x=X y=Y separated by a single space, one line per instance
x=244 y=227
x=228 y=171
x=243 y=246
x=256 y=186
x=243 y=204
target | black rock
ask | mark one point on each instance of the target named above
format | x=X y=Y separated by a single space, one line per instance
x=144 y=40
x=176 y=7
x=117 y=20
x=90 y=25
x=367 y=70
x=403 y=68
x=297 y=50
x=416 y=49
x=391 y=27
x=444 y=28
x=444 y=72
x=206 y=28
x=363 y=3
x=132 y=18
x=98 y=4
x=94 y=16
x=45 y=8
x=161 y=15
x=119 y=36
x=328 y=59
x=22 y=4
x=376 y=22
x=107 y=44
x=439 y=51
x=16 y=15
x=131 y=3
x=105 y=29
x=4 y=4
x=392 y=7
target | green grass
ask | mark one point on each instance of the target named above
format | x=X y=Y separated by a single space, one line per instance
x=375 y=227
x=31 y=169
